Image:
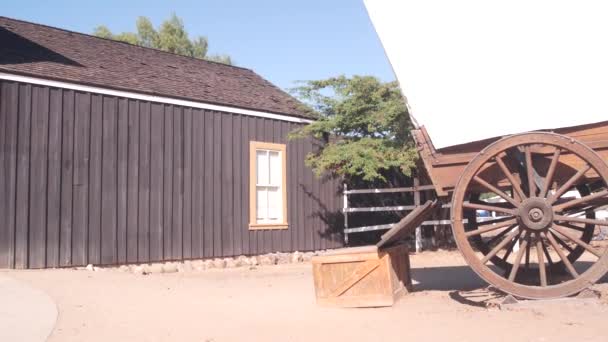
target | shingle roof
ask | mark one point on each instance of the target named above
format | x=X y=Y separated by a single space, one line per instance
x=47 y=52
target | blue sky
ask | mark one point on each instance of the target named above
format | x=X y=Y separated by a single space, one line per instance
x=282 y=40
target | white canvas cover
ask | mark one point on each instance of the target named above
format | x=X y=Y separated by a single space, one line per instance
x=475 y=69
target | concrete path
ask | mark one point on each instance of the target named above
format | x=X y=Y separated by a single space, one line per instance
x=26 y=314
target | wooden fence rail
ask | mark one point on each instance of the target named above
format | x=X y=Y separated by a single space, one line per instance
x=417 y=191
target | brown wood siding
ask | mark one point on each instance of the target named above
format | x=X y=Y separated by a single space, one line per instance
x=88 y=178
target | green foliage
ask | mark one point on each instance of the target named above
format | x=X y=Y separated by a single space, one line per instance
x=171 y=36
x=365 y=123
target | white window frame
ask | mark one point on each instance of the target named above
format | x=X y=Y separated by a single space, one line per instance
x=254 y=147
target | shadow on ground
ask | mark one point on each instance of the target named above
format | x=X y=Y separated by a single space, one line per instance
x=446 y=278
x=464 y=285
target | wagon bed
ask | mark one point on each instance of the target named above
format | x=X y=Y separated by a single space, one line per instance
x=444 y=166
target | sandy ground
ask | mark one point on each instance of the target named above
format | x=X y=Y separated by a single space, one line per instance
x=276 y=303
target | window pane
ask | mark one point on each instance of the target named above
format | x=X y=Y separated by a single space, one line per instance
x=275 y=203
x=275 y=168
x=262 y=167
x=261 y=202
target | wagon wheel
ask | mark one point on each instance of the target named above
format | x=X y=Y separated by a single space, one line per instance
x=484 y=244
x=547 y=223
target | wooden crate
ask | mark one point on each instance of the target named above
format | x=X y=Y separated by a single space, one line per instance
x=362 y=276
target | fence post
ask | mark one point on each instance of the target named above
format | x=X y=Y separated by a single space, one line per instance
x=417 y=204
x=345 y=206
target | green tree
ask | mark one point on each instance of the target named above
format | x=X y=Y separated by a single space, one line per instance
x=365 y=125
x=171 y=36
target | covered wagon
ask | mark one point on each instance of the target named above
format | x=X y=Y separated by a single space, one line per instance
x=509 y=101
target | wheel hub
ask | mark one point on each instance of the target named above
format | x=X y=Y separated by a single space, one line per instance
x=535 y=214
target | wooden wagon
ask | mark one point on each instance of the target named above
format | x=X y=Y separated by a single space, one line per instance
x=478 y=74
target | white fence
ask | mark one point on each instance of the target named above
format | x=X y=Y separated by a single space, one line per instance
x=417 y=191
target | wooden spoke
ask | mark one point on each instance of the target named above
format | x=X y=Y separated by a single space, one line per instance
x=582 y=200
x=511 y=246
x=546 y=252
x=530 y=171
x=498 y=220
x=476 y=206
x=500 y=246
x=522 y=248
x=561 y=254
x=571 y=226
x=584 y=210
x=509 y=175
x=500 y=235
x=541 y=262
x=495 y=190
x=561 y=242
x=503 y=205
x=490 y=227
x=528 y=253
x=580 y=220
x=550 y=173
x=576 y=240
x=569 y=184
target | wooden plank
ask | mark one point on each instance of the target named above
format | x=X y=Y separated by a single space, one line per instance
x=38 y=177
x=281 y=130
x=291 y=189
x=363 y=270
x=109 y=181
x=133 y=181
x=187 y=186
x=264 y=238
x=5 y=244
x=122 y=206
x=156 y=171
x=227 y=182
x=274 y=127
x=333 y=210
x=10 y=105
x=94 y=243
x=324 y=229
x=407 y=224
x=54 y=178
x=244 y=198
x=391 y=190
x=168 y=183
x=80 y=212
x=198 y=150
x=380 y=209
x=23 y=179
x=308 y=176
x=252 y=234
x=146 y=249
x=239 y=171
x=67 y=180
x=217 y=192
x=302 y=170
x=210 y=199
x=316 y=190
x=178 y=185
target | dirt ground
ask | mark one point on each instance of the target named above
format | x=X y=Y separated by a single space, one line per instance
x=276 y=303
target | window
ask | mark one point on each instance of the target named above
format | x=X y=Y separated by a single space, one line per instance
x=267 y=179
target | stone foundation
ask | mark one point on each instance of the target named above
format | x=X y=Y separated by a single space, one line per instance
x=199 y=265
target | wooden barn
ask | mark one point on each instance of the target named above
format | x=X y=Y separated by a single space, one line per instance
x=114 y=153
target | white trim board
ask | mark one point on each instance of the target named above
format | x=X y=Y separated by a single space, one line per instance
x=150 y=98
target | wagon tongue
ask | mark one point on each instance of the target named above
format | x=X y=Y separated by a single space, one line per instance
x=407 y=225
